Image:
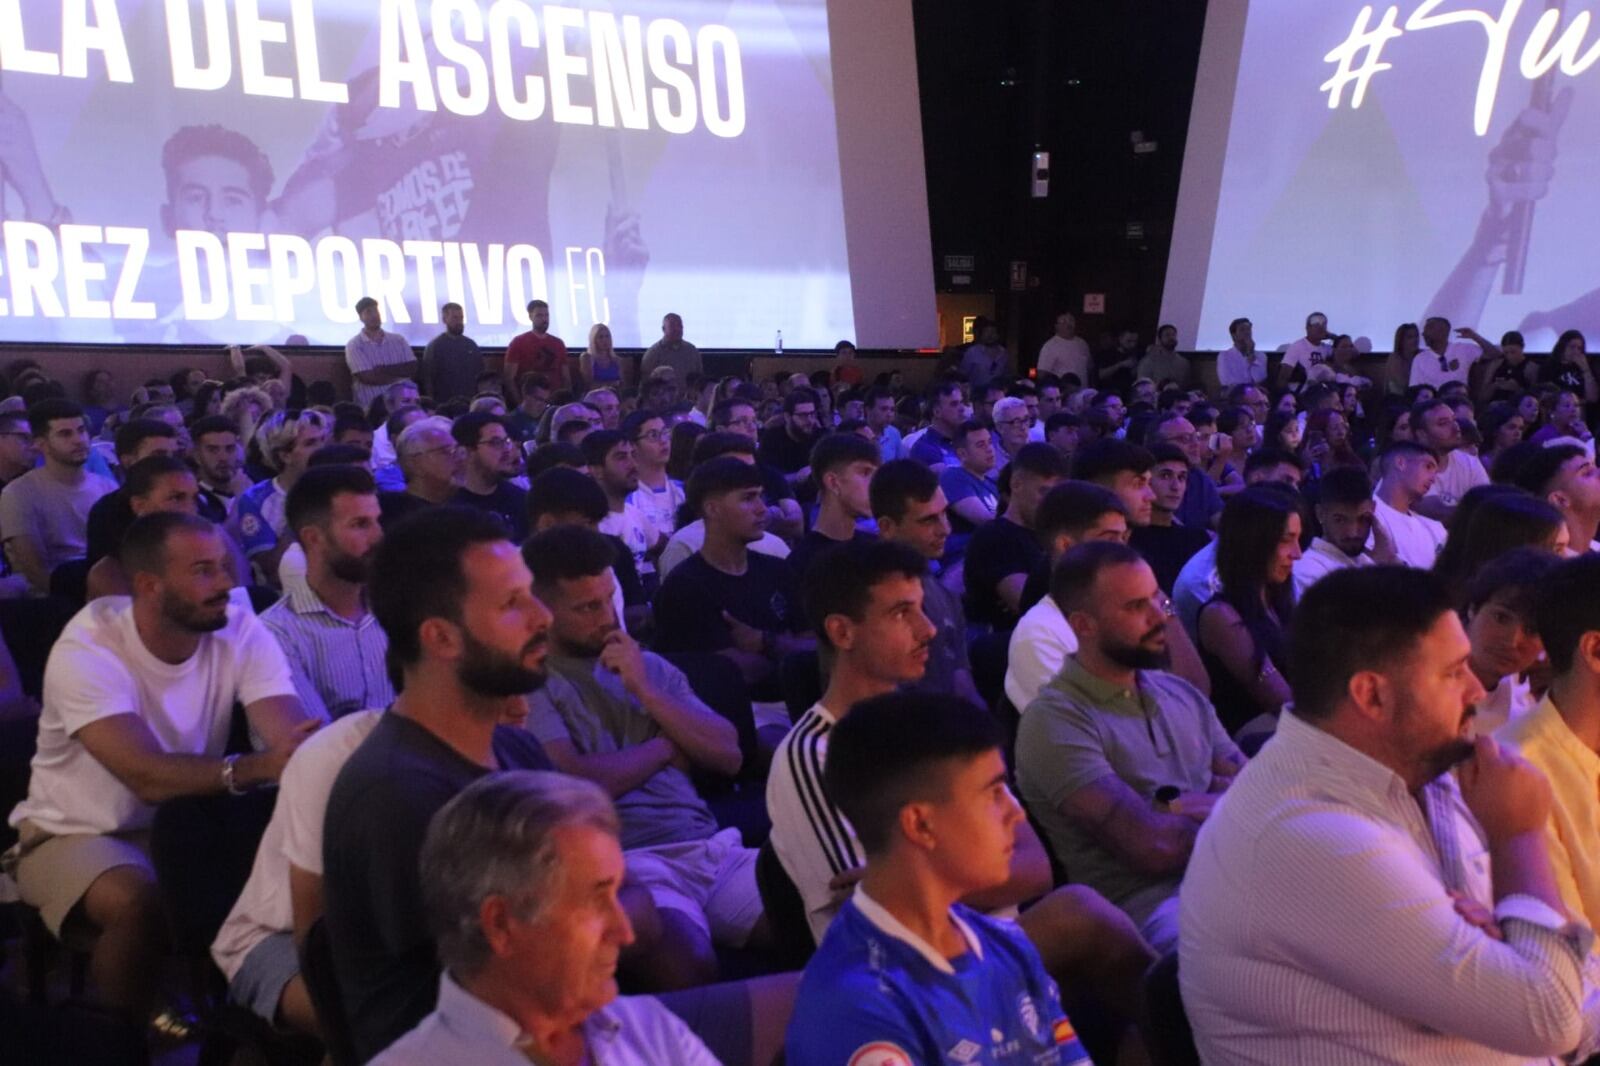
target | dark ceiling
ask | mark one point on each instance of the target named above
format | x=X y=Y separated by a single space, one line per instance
x=1078 y=78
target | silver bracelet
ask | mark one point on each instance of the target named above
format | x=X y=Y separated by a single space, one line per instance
x=228 y=782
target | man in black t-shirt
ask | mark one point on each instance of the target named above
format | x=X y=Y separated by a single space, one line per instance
x=788 y=446
x=725 y=598
x=842 y=465
x=1004 y=552
x=1165 y=542
x=112 y=513
x=493 y=459
x=469 y=639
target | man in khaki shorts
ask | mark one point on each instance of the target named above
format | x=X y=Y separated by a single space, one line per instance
x=138 y=701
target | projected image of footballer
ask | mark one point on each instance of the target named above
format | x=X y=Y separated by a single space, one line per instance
x=409 y=175
x=1520 y=170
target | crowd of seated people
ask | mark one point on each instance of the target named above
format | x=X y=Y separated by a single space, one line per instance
x=593 y=711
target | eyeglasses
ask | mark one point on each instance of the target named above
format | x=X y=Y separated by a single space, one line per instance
x=1181 y=438
x=650 y=435
x=1014 y=422
x=501 y=443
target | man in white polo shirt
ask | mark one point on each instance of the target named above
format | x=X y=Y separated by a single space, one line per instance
x=138 y=704
x=1345 y=509
x=1408 y=470
x=1314 y=349
x=1440 y=361
x=1434 y=426
x=1065 y=352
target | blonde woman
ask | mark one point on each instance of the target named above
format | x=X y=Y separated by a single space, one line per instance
x=598 y=363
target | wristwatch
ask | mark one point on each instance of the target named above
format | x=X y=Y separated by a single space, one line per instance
x=228 y=782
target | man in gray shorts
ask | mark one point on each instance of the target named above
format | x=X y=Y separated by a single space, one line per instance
x=138 y=702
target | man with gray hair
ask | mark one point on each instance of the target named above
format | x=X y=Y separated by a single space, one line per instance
x=1011 y=425
x=520 y=875
x=432 y=462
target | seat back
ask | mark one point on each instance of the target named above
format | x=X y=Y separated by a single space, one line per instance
x=316 y=966
x=29 y=629
x=1167 y=1033
x=989 y=653
x=202 y=848
x=800 y=676
x=785 y=910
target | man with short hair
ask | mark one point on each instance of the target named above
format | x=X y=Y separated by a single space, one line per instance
x=1565 y=475
x=1011 y=425
x=451 y=363
x=1202 y=501
x=1072 y=513
x=468 y=638
x=218 y=456
x=1312 y=350
x=658 y=496
x=738 y=416
x=155 y=483
x=1561 y=736
x=1124 y=469
x=376 y=358
x=1162 y=363
x=947 y=409
x=137 y=439
x=612 y=465
x=17 y=452
x=727 y=598
x=432 y=461
x=1242 y=364
x=688 y=538
x=1166 y=542
x=1434 y=426
x=1002 y=553
x=971 y=485
x=627 y=720
x=909 y=971
x=842 y=464
x=537 y=351
x=1344 y=877
x=671 y=351
x=878 y=410
x=139 y=698
x=492 y=461
x=1065 y=352
x=1121 y=811
x=546 y=971
x=1408 y=471
x=1440 y=361
x=1501 y=618
x=1063 y=431
x=334 y=645
x=985 y=359
x=44 y=514
x=1345 y=512
x=525 y=419
x=787 y=447
x=910 y=509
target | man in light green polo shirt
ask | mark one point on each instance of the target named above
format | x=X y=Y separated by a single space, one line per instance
x=1118 y=760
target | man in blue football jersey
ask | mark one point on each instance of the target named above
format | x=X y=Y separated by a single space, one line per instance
x=906 y=974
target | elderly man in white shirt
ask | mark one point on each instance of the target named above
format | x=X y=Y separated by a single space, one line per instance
x=1065 y=352
x=1348 y=901
x=520 y=873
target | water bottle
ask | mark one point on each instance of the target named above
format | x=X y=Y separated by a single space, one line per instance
x=777 y=347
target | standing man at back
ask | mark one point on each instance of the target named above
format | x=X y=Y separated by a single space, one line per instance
x=537 y=351
x=376 y=357
x=671 y=351
x=1065 y=352
x=451 y=362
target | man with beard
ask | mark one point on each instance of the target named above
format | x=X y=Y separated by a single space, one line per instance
x=1119 y=760
x=466 y=635
x=492 y=461
x=451 y=362
x=44 y=514
x=218 y=457
x=138 y=702
x=627 y=720
x=332 y=641
x=1349 y=878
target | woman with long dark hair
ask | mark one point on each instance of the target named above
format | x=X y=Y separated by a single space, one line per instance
x=1568 y=367
x=1502 y=426
x=1397 y=369
x=1499 y=522
x=1243 y=629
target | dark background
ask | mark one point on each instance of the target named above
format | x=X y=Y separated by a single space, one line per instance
x=1077 y=78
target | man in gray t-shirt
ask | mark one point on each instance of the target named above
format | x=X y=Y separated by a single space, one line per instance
x=44 y=514
x=627 y=720
x=1121 y=762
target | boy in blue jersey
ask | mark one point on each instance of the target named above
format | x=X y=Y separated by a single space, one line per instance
x=906 y=975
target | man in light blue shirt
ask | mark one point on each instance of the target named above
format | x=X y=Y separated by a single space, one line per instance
x=521 y=873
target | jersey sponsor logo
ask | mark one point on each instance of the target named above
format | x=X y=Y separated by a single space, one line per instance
x=879 y=1053
x=964 y=1052
x=1029 y=1014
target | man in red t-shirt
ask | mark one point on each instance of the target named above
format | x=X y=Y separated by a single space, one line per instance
x=538 y=349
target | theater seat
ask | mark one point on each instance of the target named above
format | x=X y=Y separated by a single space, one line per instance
x=1166 y=1030
x=800 y=677
x=322 y=982
x=30 y=629
x=785 y=910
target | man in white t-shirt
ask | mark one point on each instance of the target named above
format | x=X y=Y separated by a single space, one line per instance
x=1440 y=361
x=1074 y=512
x=1408 y=470
x=1314 y=349
x=138 y=705
x=256 y=948
x=612 y=464
x=1065 y=352
x=658 y=495
x=1434 y=426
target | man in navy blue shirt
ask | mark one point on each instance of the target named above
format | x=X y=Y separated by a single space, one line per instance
x=906 y=974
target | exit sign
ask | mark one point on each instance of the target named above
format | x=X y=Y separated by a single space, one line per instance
x=960 y=263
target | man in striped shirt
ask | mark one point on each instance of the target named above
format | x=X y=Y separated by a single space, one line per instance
x=867 y=607
x=1348 y=901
